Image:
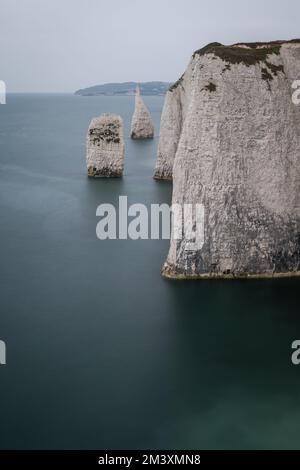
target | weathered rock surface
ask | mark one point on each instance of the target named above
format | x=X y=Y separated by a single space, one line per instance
x=230 y=138
x=141 y=125
x=105 y=146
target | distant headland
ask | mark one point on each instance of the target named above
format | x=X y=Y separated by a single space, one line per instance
x=127 y=88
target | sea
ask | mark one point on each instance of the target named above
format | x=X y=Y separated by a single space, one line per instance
x=101 y=351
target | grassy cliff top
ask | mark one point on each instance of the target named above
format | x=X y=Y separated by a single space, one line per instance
x=245 y=53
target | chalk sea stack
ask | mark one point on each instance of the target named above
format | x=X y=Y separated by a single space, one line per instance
x=105 y=146
x=141 y=125
x=230 y=140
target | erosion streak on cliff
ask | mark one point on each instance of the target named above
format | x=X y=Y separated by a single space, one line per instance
x=230 y=139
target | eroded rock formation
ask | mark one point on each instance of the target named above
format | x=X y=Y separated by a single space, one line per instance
x=105 y=146
x=230 y=139
x=141 y=125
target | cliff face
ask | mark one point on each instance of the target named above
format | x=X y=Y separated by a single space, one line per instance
x=141 y=125
x=105 y=146
x=230 y=138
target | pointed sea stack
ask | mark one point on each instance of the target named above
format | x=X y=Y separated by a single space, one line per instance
x=141 y=125
x=230 y=140
x=105 y=146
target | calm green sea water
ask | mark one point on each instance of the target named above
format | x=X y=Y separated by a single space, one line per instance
x=101 y=351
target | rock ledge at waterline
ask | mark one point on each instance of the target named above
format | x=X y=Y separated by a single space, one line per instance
x=105 y=146
x=230 y=140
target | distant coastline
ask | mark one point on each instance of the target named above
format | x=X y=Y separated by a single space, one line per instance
x=127 y=88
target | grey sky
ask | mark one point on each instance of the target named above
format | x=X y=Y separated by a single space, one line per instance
x=63 y=45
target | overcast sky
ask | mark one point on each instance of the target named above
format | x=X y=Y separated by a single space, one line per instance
x=63 y=45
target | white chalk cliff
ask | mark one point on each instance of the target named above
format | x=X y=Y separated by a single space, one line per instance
x=105 y=146
x=230 y=140
x=141 y=125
